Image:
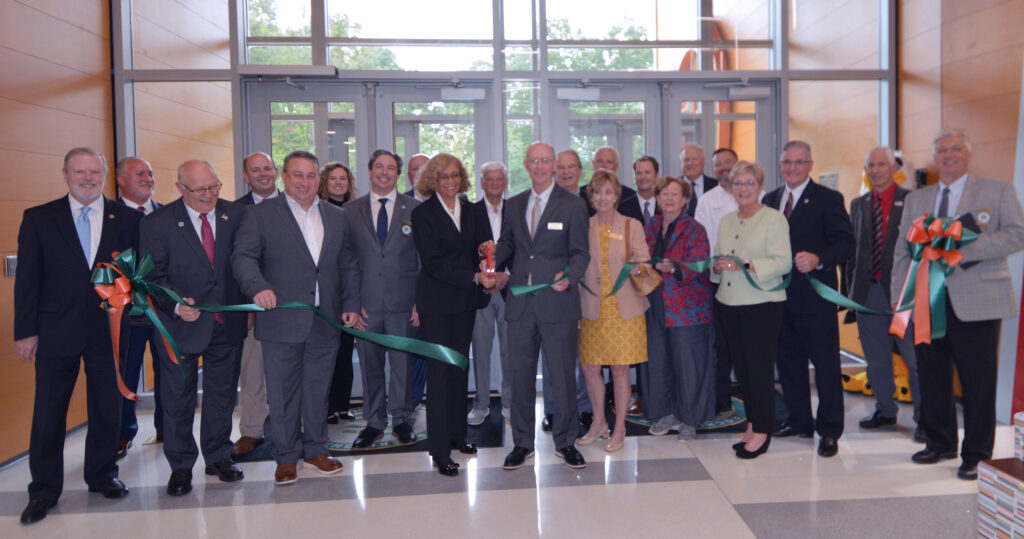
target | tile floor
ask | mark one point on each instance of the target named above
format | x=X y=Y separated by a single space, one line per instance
x=653 y=487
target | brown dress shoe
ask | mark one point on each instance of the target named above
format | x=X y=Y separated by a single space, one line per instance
x=245 y=445
x=285 y=474
x=325 y=463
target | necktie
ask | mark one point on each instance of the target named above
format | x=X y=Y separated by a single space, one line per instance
x=84 y=228
x=535 y=216
x=142 y=209
x=382 y=221
x=647 y=212
x=209 y=245
x=789 y=205
x=944 y=203
x=878 y=234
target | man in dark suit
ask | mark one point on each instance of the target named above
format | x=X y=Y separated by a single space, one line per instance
x=643 y=205
x=490 y=321
x=56 y=319
x=691 y=160
x=135 y=183
x=260 y=173
x=381 y=234
x=545 y=231
x=190 y=241
x=413 y=167
x=868 y=274
x=292 y=248
x=821 y=239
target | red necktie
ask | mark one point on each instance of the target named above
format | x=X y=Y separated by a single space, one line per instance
x=789 y=205
x=209 y=246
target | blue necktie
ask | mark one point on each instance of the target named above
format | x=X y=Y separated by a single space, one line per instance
x=647 y=213
x=84 y=228
x=382 y=221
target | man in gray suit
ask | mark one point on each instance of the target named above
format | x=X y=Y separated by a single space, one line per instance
x=544 y=232
x=293 y=248
x=980 y=294
x=190 y=241
x=381 y=227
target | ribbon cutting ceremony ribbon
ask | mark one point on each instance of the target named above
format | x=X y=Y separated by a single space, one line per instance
x=535 y=289
x=704 y=265
x=122 y=282
x=934 y=246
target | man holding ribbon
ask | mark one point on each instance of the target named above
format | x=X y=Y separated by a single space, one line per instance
x=980 y=294
x=294 y=249
x=190 y=242
x=57 y=320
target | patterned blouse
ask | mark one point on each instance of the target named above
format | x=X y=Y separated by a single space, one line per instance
x=686 y=294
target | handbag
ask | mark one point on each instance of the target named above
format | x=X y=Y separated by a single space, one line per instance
x=647 y=280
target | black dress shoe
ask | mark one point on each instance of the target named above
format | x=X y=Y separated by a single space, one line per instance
x=517 y=458
x=967 y=472
x=875 y=420
x=36 y=510
x=403 y=431
x=366 y=438
x=180 y=483
x=546 y=424
x=572 y=457
x=919 y=435
x=446 y=466
x=332 y=419
x=226 y=470
x=742 y=452
x=787 y=430
x=346 y=416
x=465 y=448
x=929 y=456
x=112 y=489
x=828 y=446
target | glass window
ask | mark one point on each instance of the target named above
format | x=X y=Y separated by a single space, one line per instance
x=619 y=124
x=274 y=18
x=173 y=35
x=280 y=54
x=433 y=128
x=521 y=129
x=833 y=35
x=413 y=58
x=742 y=19
x=615 y=20
x=518 y=19
x=520 y=58
x=410 y=19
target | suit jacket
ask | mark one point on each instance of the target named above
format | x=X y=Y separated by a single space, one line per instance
x=983 y=291
x=818 y=224
x=53 y=298
x=630 y=207
x=858 y=267
x=247 y=199
x=631 y=305
x=270 y=253
x=140 y=321
x=181 y=264
x=560 y=241
x=709 y=184
x=449 y=258
x=388 y=272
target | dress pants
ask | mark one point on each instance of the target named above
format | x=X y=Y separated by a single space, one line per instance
x=253 y=392
x=341 y=382
x=723 y=365
x=490 y=324
x=447 y=385
x=750 y=334
x=55 y=380
x=682 y=373
x=973 y=347
x=131 y=370
x=221 y=362
x=418 y=376
x=298 y=379
x=378 y=403
x=582 y=399
x=877 y=344
x=559 y=342
x=813 y=336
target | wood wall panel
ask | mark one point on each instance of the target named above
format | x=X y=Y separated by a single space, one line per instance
x=181 y=34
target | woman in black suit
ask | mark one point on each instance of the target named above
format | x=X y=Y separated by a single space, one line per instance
x=338 y=186
x=448 y=293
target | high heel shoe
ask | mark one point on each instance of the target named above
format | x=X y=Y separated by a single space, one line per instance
x=744 y=454
x=446 y=466
x=613 y=446
x=599 y=435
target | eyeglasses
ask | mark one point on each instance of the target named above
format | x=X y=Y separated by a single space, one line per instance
x=749 y=183
x=202 y=190
x=798 y=163
x=453 y=176
x=545 y=161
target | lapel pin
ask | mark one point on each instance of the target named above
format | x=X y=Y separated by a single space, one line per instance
x=224 y=216
x=806 y=200
x=180 y=224
x=111 y=216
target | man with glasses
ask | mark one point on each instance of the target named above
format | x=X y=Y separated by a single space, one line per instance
x=821 y=238
x=190 y=241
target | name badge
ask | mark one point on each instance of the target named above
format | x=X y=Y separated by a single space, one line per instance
x=554 y=226
x=615 y=236
x=898 y=203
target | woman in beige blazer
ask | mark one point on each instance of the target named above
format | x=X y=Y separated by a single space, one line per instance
x=612 y=331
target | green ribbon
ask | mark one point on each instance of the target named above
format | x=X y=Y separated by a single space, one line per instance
x=534 y=289
x=143 y=289
x=703 y=265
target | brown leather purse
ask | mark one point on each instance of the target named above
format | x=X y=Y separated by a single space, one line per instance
x=647 y=280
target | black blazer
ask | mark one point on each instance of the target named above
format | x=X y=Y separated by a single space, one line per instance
x=709 y=184
x=857 y=273
x=448 y=258
x=818 y=224
x=53 y=298
x=181 y=265
x=631 y=208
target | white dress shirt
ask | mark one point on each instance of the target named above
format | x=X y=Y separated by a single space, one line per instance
x=455 y=215
x=796 y=195
x=311 y=224
x=197 y=223
x=375 y=206
x=536 y=197
x=147 y=207
x=956 y=192
x=494 y=216
x=256 y=199
x=95 y=223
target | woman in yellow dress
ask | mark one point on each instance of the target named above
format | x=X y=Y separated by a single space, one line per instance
x=612 y=331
